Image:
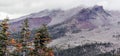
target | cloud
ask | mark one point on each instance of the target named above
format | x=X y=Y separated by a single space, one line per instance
x=18 y=8
x=103 y=3
x=12 y=16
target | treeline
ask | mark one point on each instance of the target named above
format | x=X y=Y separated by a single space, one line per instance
x=87 y=50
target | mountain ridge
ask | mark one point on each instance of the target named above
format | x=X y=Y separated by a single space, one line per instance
x=77 y=27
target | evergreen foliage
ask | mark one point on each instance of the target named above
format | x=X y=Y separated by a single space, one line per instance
x=4 y=34
x=23 y=45
x=42 y=38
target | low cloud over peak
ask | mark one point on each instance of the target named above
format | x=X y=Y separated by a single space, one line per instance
x=23 y=7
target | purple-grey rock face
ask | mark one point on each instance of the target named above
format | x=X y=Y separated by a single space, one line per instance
x=88 y=18
x=35 y=19
x=33 y=22
x=78 y=18
x=85 y=19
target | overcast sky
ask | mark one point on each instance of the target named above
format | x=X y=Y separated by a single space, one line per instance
x=17 y=8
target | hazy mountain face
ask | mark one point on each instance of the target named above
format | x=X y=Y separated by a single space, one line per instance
x=88 y=26
x=84 y=19
x=50 y=17
x=33 y=22
x=78 y=17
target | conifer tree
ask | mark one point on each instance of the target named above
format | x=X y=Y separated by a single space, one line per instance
x=4 y=34
x=41 y=40
x=25 y=34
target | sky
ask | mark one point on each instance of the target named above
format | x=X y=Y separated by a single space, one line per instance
x=17 y=8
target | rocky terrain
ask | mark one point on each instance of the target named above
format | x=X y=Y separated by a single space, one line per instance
x=81 y=31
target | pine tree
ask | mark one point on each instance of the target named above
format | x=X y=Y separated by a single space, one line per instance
x=4 y=34
x=41 y=40
x=25 y=34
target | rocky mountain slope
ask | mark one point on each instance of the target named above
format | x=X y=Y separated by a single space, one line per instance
x=88 y=26
x=78 y=29
x=49 y=17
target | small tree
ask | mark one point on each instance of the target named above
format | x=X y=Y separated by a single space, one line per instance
x=41 y=40
x=4 y=34
x=25 y=34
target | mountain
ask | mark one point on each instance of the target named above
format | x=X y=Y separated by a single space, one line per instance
x=49 y=17
x=84 y=19
x=81 y=29
x=91 y=25
x=89 y=18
